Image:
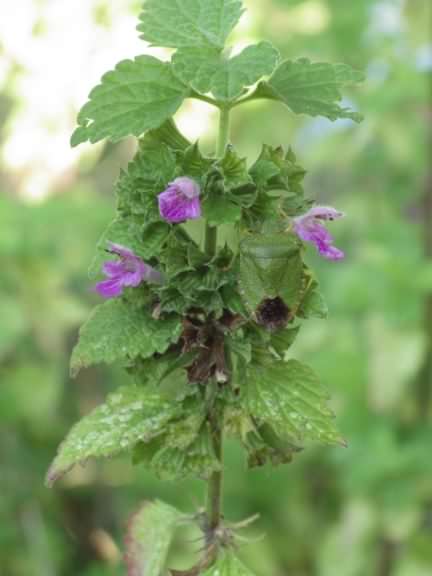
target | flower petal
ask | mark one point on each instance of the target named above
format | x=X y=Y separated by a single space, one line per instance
x=113 y=268
x=309 y=228
x=110 y=288
x=130 y=270
x=187 y=187
x=174 y=207
x=331 y=252
x=324 y=213
x=120 y=250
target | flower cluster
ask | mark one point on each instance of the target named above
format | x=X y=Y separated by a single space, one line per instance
x=178 y=203
x=181 y=202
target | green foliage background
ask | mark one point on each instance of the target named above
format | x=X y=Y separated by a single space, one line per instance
x=364 y=510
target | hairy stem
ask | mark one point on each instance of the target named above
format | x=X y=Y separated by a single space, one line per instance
x=214 y=495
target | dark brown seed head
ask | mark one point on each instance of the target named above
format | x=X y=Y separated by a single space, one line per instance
x=273 y=314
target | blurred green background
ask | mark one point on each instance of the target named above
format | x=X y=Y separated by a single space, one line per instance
x=361 y=511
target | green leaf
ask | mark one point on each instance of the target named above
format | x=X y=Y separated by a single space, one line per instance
x=312 y=88
x=244 y=70
x=185 y=449
x=234 y=169
x=264 y=446
x=169 y=134
x=138 y=95
x=194 y=163
x=118 y=331
x=282 y=340
x=197 y=67
x=129 y=415
x=277 y=170
x=195 y=460
x=313 y=304
x=228 y=565
x=230 y=187
x=149 y=536
x=270 y=267
x=233 y=301
x=207 y=70
x=189 y=23
x=289 y=397
x=149 y=173
x=220 y=209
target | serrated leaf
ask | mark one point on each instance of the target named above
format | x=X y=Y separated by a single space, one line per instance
x=149 y=173
x=240 y=347
x=149 y=536
x=197 y=67
x=228 y=565
x=288 y=397
x=194 y=163
x=118 y=331
x=185 y=449
x=136 y=96
x=233 y=301
x=220 y=209
x=129 y=415
x=169 y=134
x=175 y=259
x=313 y=304
x=263 y=211
x=264 y=446
x=270 y=267
x=207 y=70
x=312 y=88
x=244 y=70
x=221 y=204
x=275 y=169
x=154 y=236
x=234 y=169
x=189 y=23
x=196 y=460
x=207 y=279
x=282 y=340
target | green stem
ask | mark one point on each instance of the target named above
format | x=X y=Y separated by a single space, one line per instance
x=214 y=498
x=224 y=131
x=223 y=139
x=214 y=495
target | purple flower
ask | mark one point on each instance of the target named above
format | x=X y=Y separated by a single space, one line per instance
x=180 y=201
x=309 y=228
x=130 y=270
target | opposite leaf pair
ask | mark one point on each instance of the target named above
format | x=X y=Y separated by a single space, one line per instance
x=139 y=95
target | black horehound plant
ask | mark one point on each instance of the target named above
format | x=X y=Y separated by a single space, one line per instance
x=202 y=322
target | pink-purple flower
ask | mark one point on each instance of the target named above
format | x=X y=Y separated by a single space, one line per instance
x=309 y=228
x=128 y=270
x=180 y=201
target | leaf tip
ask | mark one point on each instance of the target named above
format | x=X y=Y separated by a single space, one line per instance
x=54 y=473
x=78 y=136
